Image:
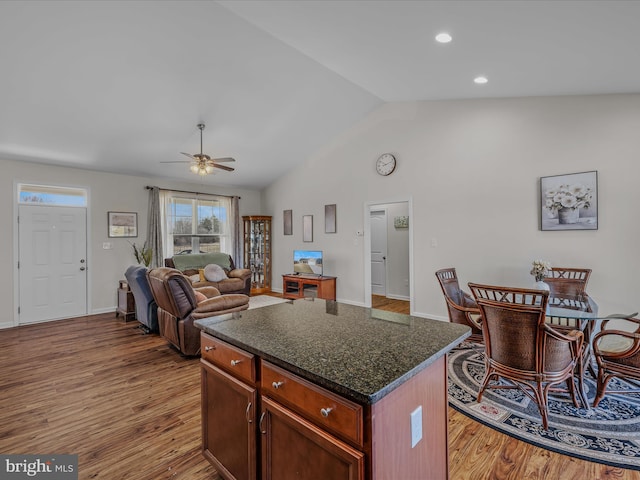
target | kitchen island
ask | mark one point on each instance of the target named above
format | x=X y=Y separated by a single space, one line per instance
x=318 y=389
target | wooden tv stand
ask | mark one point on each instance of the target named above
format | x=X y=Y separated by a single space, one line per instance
x=304 y=286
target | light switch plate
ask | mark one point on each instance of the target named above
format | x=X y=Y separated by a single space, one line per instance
x=416 y=426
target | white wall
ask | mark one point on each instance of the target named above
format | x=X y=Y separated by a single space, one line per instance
x=472 y=169
x=107 y=192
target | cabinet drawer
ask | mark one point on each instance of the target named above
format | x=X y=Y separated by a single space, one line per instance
x=336 y=414
x=234 y=360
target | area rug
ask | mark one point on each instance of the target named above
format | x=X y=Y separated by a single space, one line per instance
x=608 y=434
x=265 y=300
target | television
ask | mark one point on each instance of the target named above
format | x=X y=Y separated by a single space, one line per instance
x=307 y=262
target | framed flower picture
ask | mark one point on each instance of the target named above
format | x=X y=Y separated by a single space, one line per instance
x=569 y=202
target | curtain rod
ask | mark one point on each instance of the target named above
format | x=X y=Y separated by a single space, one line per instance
x=187 y=191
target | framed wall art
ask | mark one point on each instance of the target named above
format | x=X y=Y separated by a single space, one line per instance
x=287 y=216
x=401 y=221
x=330 y=218
x=122 y=224
x=569 y=202
x=307 y=228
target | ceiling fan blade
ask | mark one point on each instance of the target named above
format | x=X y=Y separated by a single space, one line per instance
x=188 y=155
x=223 y=167
x=224 y=159
x=177 y=161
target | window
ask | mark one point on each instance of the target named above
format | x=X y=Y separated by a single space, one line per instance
x=197 y=224
x=51 y=195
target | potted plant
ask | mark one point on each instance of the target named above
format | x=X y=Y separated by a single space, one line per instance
x=143 y=254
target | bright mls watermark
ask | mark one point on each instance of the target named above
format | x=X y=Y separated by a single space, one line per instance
x=49 y=467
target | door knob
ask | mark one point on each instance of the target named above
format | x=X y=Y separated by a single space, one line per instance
x=82 y=269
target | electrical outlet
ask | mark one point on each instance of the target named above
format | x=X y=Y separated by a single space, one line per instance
x=416 y=426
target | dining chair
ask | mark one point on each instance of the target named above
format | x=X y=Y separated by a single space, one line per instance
x=617 y=353
x=521 y=348
x=568 y=281
x=461 y=306
x=571 y=282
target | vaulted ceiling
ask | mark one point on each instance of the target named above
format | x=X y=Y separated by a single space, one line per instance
x=120 y=86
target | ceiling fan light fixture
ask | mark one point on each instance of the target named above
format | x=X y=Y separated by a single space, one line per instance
x=202 y=164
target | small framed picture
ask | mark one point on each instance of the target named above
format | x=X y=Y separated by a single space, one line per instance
x=401 y=221
x=330 y=218
x=288 y=222
x=123 y=224
x=307 y=228
x=569 y=202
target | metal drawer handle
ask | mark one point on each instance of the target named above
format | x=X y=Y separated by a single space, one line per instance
x=277 y=385
x=235 y=362
x=264 y=432
x=247 y=413
x=325 y=412
x=209 y=348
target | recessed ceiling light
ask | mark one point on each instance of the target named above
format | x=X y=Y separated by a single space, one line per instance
x=481 y=80
x=443 y=37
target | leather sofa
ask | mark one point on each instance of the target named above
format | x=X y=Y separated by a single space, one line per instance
x=146 y=308
x=178 y=307
x=238 y=281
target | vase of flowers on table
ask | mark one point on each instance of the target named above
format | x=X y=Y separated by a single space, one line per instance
x=540 y=270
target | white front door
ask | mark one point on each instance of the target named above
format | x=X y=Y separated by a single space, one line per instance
x=378 y=252
x=53 y=265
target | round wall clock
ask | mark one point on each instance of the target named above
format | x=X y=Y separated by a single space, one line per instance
x=386 y=164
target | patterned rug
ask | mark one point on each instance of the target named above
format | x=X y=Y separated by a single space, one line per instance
x=608 y=434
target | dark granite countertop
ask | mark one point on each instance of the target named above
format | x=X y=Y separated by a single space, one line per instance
x=359 y=353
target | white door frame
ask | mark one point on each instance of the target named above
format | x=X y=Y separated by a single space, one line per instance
x=16 y=250
x=367 y=248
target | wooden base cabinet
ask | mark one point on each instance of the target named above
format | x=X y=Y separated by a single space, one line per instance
x=303 y=431
x=293 y=448
x=228 y=424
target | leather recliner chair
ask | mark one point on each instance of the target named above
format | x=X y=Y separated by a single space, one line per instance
x=178 y=307
x=146 y=308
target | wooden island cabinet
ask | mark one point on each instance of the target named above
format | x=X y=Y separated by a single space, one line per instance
x=299 y=405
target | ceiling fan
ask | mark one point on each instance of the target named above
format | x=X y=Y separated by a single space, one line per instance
x=203 y=164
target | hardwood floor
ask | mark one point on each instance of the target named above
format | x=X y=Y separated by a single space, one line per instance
x=129 y=406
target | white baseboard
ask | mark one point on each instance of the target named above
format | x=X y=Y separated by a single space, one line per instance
x=399 y=297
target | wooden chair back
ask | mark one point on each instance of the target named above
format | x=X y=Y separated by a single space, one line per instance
x=568 y=281
x=461 y=307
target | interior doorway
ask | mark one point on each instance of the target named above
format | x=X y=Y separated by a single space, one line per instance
x=388 y=255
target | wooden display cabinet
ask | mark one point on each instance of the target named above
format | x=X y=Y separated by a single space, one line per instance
x=257 y=252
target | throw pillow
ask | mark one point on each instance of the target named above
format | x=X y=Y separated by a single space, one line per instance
x=200 y=297
x=194 y=278
x=214 y=273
